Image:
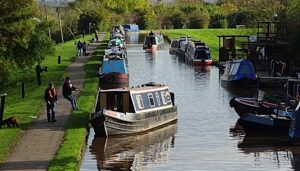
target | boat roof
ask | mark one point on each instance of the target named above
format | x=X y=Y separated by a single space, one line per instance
x=114 y=65
x=139 y=89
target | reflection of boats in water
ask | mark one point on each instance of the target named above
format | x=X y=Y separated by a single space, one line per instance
x=134 y=152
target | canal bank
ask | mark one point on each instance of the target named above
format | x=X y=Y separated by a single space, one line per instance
x=41 y=140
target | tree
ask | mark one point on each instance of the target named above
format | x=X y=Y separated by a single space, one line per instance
x=23 y=37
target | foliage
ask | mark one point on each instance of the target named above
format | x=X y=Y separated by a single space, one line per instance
x=23 y=37
x=198 y=20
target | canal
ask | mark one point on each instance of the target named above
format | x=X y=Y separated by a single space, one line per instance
x=205 y=137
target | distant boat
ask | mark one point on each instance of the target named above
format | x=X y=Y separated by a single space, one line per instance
x=239 y=73
x=113 y=73
x=174 y=47
x=198 y=53
x=131 y=28
x=133 y=110
x=153 y=42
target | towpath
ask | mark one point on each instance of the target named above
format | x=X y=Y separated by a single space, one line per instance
x=39 y=143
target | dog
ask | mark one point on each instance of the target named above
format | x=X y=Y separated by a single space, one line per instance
x=11 y=122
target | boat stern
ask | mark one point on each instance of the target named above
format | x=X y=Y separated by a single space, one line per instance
x=98 y=123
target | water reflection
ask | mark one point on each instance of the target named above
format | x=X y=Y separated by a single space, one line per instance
x=134 y=152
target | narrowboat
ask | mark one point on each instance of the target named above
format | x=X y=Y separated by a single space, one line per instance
x=265 y=124
x=131 y=28
x=183 y=42
x=115 y=52
x=153 y=42
x=266 y=106
x=198 y=53
x=135 y=152
x=113 y=73
x=133 y=110
x=239 y=73
x=243 y=105
x=174 y=46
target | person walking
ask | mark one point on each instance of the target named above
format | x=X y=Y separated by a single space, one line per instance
x=79 y=48
x=84 y=48
x=67 y=92
x=51 y=101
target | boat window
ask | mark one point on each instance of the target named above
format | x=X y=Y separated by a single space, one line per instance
x=157 y=98
x=151 y=99
x=163 y=94
x=168 y=97
x=140 y=102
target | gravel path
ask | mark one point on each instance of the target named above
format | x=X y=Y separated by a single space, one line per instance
x=39 y=143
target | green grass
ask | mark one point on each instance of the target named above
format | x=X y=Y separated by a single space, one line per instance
x=69 y=155
x=33 y=103
x=209 y=36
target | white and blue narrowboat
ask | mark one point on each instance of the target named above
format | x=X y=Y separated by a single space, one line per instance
x=239 y=73
x=133 y=110
x=131 y=28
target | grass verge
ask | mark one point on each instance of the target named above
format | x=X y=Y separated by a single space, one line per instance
x=33 y=103
x=69 y=155
x=209 y=36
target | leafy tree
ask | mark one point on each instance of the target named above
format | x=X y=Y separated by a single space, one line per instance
x=23 y=37
x=198 y=20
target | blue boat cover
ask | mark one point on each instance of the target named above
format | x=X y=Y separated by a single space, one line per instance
x=114 y=66
x=242 y=68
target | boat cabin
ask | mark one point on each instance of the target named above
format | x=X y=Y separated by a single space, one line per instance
x=116 y=65
x=238 y=69
x=135 y=100
x=202 y=52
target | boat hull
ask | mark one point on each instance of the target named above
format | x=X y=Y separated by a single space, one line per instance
x=243 y=105
x=202 y=62
x=264 y=124
x=113 y=80
x=241 y=83
x=107 y=125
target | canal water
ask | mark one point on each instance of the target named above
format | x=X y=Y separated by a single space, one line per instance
x=205 y=137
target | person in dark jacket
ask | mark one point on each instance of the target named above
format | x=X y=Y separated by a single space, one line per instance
x=67 y=92
x=51 y=101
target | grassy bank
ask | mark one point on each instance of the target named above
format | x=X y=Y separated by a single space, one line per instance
x=69 y=155
x=209 y=36
x=28 y=108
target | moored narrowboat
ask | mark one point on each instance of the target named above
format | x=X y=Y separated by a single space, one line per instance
x=198 y=53
x=113 y=73
x=239 y=73
x=174 y=47
x=133 y=110
x=153 y=42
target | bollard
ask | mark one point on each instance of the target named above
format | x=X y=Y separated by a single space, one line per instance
x=58 y=59
x=23 y=90
x=2 y=108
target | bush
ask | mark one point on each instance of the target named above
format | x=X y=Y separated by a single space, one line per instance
x=198 y=20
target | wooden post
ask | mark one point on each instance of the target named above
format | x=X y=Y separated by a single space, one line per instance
x=2 y=108
x=59 y=59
